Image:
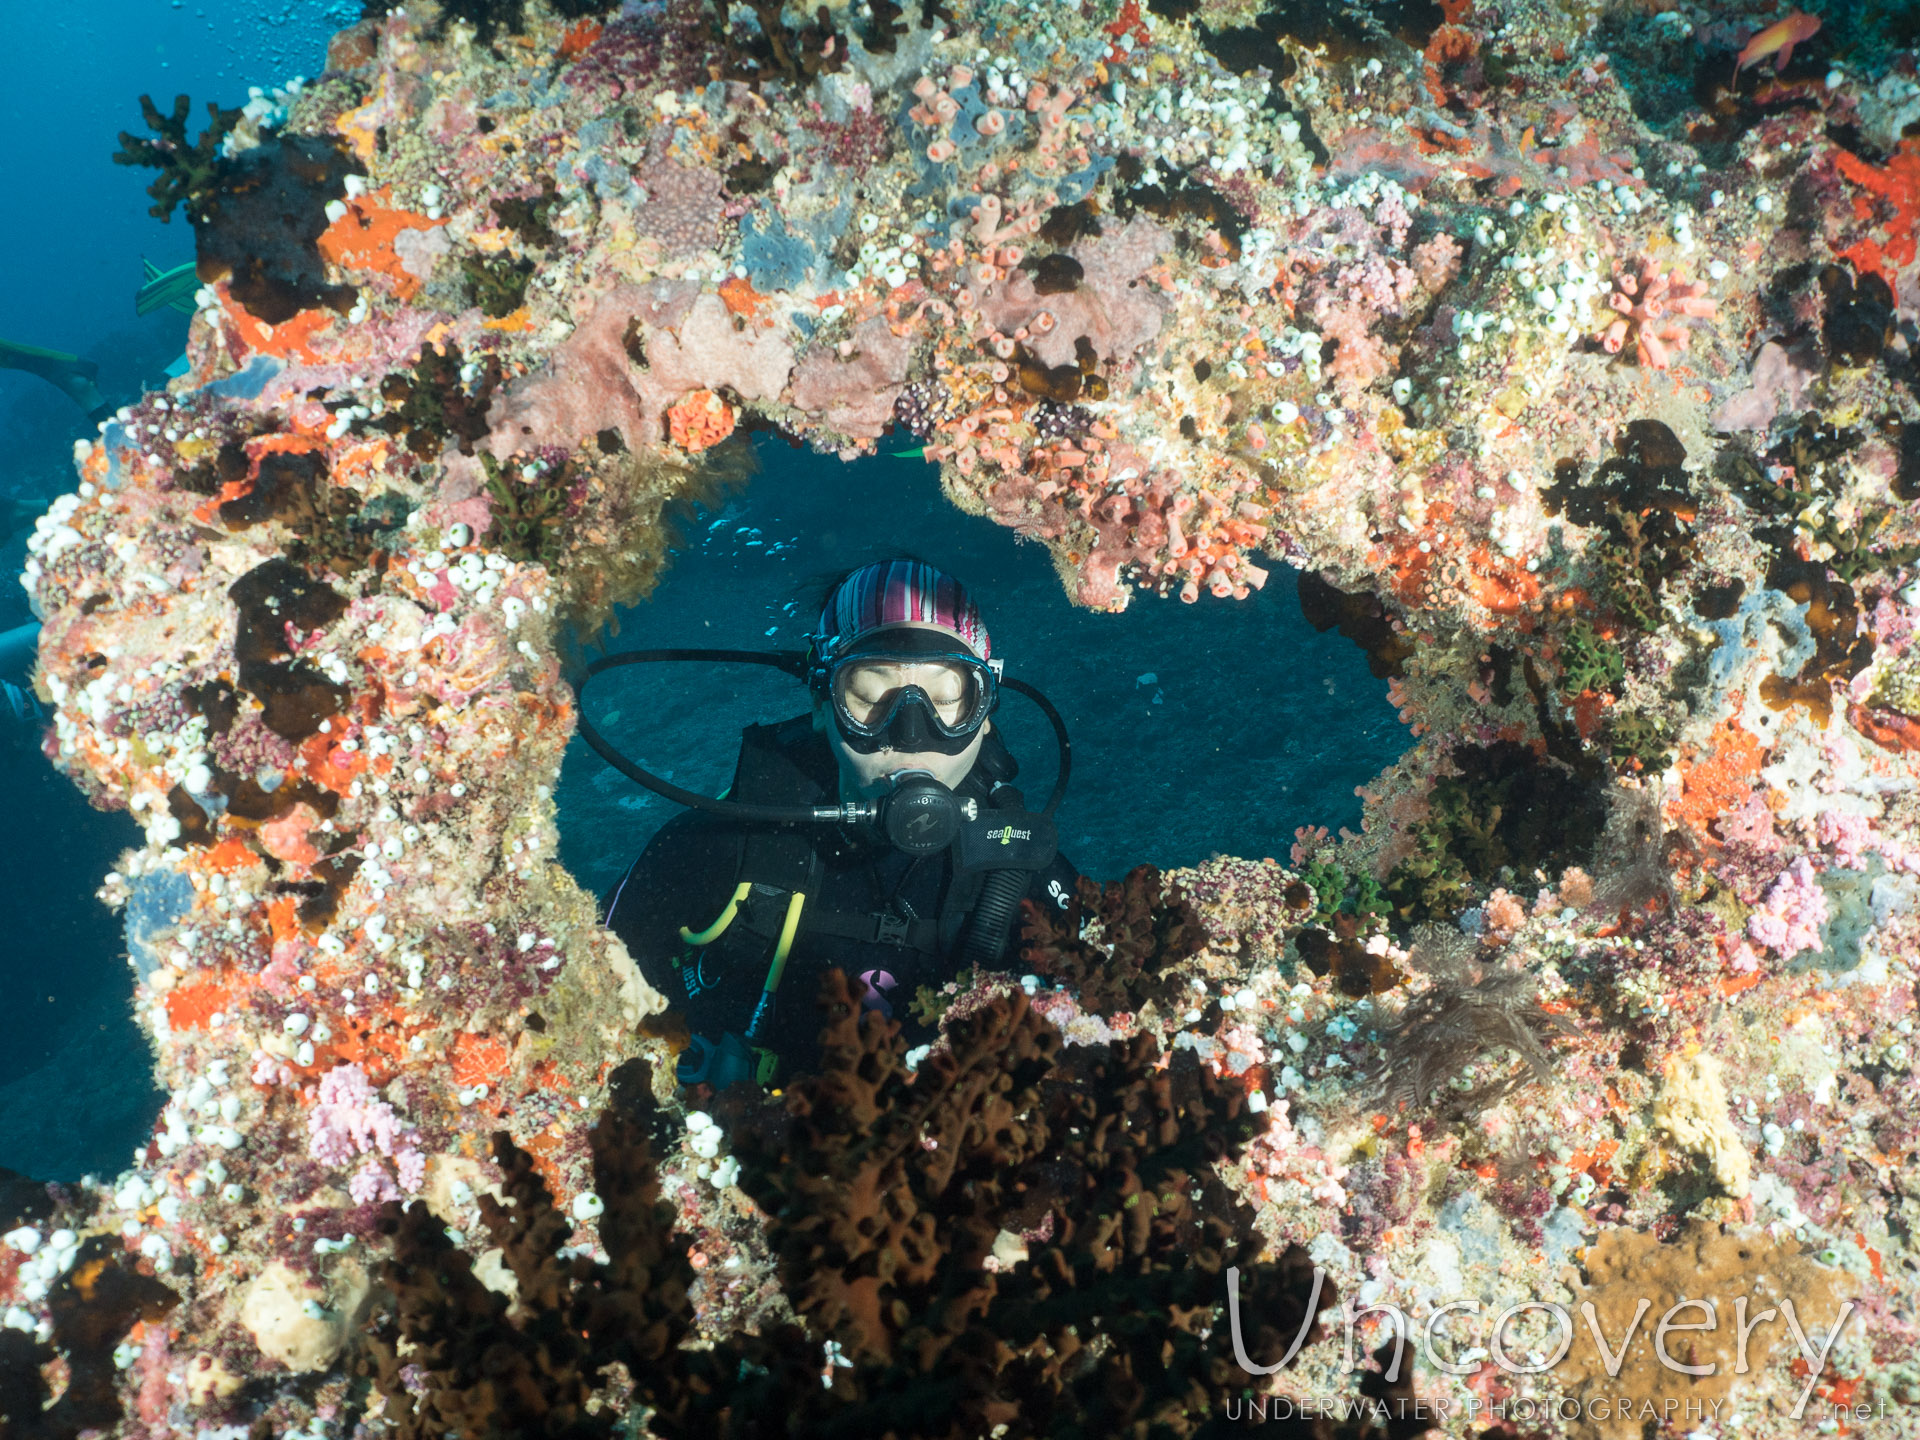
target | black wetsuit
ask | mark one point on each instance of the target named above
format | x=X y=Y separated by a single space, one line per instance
x=690 y=868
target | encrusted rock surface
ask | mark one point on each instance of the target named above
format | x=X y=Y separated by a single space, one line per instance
x=1567 y=356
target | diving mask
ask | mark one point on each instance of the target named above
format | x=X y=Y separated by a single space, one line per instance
x=909 y=692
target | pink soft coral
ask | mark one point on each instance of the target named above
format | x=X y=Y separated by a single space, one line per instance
x=1360 y=358
x=1436 y=262
x=1848 y=834
x=348 y=1119
x=1504 y=912
x=1789 y=919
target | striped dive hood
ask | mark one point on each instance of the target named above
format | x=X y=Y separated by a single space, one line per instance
x=892 y=593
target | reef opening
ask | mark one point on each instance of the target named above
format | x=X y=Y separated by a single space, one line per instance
x=1172 y=709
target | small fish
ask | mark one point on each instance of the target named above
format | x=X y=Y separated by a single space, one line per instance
x=173 y=288
x=1778 y=40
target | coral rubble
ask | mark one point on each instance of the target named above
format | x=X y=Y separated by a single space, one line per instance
x=1565 y=352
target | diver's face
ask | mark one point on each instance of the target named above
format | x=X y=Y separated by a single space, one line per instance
x=865 y=687
x=867 y=776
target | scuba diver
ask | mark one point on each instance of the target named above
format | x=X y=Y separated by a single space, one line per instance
x=17 y=702
x=880 y=832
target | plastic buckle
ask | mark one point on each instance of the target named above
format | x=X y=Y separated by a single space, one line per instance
x=695 y=1061
x=890 y=930
x=766 y=1064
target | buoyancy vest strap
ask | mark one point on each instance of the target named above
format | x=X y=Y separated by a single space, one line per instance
x=725 y=918
x=875 y=927
x=871 y=927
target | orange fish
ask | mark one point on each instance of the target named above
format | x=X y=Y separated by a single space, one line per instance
x=1778 y=40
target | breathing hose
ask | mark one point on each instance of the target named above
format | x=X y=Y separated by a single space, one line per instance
x=1002 y=890
x=792 y=662
x=1000 y=895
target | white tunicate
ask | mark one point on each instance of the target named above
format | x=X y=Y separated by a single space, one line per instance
x=588 y=1206
x=156 y=1249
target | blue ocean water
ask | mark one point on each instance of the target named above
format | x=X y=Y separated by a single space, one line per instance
x=74 y=1088
x=1219 y=726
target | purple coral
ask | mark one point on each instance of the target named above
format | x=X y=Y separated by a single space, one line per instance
x=661 y=43
x=921 y=406
x=247 y=747
x=349 y=1120
x=861 y=141
x=1789 y=919
x=684 y=206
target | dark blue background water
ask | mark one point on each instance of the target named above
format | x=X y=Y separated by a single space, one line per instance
x=1212 y=727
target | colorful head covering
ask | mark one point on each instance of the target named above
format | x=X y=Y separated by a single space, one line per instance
x=889 y=593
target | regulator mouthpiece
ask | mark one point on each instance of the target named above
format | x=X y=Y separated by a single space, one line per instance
x=919 y=815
